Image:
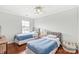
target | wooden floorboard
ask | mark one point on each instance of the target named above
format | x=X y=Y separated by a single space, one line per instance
x=15 y=49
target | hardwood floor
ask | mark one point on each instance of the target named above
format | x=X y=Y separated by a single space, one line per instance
x=15 y=49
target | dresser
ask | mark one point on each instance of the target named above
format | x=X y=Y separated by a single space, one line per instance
x=3 y=45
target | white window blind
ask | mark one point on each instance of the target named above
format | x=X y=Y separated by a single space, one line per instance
x=25 y=26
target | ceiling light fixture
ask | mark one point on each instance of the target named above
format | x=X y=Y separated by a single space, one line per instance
x=38 y=10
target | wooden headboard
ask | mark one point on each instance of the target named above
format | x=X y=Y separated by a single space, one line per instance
x=58 y=34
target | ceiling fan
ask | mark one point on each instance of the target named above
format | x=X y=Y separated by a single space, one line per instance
x=38 y=10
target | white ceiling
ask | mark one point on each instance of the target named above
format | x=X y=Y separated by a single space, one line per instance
x=28 y=10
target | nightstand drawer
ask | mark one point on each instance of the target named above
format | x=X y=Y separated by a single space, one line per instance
x=2 y=48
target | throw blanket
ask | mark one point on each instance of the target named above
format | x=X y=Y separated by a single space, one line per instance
x=24 y=36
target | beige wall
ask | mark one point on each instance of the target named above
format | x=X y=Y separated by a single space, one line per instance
x=11 y=25
x=65 y=22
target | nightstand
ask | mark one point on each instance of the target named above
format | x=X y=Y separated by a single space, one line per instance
x=77 y=46
x=3 y=44
x=78 y=51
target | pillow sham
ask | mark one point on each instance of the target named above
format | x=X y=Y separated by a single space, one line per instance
x=52 y=36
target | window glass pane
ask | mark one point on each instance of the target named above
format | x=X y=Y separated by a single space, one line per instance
x=25 y=26
x=25 y=23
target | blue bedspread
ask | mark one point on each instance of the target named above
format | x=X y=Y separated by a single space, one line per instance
x=24 y=36
x=42 y=46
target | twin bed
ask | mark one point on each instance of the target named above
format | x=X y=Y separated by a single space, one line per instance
x=24 y=38
x=45 y=45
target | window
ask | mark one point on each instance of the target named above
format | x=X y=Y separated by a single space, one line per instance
x=25 y=26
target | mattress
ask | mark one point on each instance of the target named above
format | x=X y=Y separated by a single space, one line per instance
x=42 y=46
x=23 y=41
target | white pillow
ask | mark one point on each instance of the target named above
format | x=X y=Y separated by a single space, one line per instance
x=52 y=36
x=45 y=37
